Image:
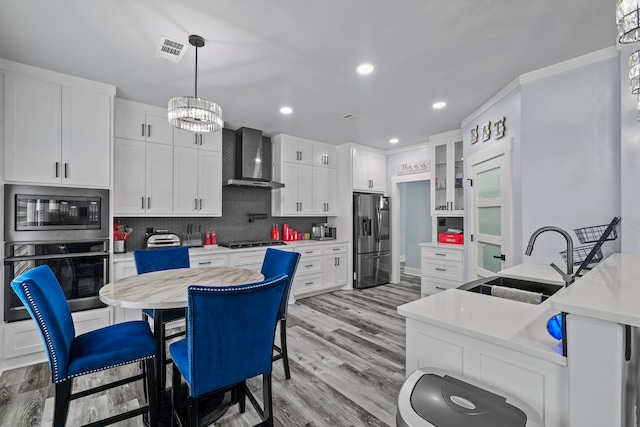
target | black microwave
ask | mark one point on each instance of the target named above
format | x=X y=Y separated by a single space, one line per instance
x=39 y=213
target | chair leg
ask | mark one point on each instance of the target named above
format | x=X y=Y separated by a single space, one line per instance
x=242 y=396
x=61 y=405
x=150 y=392
x=267 y=401
x=193 y=412
x=161 y=356
x=175 y=394
x=283 y=346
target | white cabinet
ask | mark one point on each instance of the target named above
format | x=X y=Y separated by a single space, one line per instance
x=210 y=141
x=369 y=171
x=309 y=278
x=208 y=260
x=56 y=134
x=307 y=170
x=335 y=265
x=197 y=181
x=250 y=259
x=134 y=121
x=447 y=178
x=143 y=178
x=441 y=268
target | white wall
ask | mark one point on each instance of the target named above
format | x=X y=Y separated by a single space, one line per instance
x=570 y=154
x=566 y=151
x=630 y=157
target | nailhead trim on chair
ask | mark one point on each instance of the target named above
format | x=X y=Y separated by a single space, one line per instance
x=47 y=335
x=293 y=273
x=56 y=374
x=224 y=289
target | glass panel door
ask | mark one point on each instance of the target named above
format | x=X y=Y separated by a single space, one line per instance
x=458 y=169
x=440 y=177
x=490 y=217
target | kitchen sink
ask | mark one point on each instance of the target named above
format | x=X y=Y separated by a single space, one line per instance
x=484 y=285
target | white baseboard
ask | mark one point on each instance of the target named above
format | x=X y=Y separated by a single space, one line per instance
x=412 y=271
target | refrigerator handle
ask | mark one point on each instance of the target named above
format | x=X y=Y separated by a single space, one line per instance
x=378 y=224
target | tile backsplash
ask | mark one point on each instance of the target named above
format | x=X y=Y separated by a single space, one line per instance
x=237 y=202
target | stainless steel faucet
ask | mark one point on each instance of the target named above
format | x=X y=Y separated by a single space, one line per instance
x=568 y=277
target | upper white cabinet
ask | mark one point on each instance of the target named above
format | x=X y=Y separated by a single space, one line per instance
x=307 y=170
x=57 y=133
x=210 y=141
x=447 y=189
x=197 y=181
x=369 y=171
x=143 y=178
x=133 y=122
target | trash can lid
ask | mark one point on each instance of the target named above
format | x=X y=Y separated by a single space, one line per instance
x=439 y=399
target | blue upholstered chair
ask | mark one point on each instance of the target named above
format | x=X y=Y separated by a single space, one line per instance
x=71 y=356
x=230 y=332
x=149 y=260
x=275 y=263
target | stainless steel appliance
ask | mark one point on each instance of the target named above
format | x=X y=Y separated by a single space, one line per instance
x=162 y=240
x=64 y=228
x=371 y=240
x=248 y=164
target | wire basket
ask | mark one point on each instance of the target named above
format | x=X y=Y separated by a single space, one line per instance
x=593 y=234
x=580 y=254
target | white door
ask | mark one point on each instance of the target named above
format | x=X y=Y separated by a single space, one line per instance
x=490 y=216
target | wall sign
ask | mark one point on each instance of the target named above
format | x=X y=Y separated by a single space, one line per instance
x=421 y=166
x=499 y=126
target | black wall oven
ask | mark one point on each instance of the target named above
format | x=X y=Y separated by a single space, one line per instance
x=64 y=228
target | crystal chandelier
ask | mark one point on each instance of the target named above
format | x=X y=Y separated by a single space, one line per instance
x=628 y=18
x=634 y=72
x=192 y=113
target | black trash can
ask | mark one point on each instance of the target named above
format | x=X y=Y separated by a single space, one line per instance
x=435 y=398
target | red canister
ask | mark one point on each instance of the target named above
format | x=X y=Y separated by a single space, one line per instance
x=285 y=231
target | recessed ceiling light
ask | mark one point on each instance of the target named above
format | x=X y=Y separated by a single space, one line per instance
x=394 y=140
x=439 y=105
x=364 y=69
x=286 y=110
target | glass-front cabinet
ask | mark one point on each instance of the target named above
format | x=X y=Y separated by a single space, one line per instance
x=447 y=178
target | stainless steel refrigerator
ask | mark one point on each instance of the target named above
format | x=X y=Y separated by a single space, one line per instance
x=371 y=240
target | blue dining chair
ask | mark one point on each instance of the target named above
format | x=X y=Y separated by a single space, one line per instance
x=230 y=333
x=149 y=260
x=71 y=356
x=275 y=263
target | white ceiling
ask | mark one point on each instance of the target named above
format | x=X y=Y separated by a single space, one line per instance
x=261 y=55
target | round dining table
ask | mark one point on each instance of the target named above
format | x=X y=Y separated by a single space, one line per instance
x=165 y=290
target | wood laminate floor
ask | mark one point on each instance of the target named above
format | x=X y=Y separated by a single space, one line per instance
x=347 y=358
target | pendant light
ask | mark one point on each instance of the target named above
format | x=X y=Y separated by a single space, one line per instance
x=628 y=19
x=192 y=113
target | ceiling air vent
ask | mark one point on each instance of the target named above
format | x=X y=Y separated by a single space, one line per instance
x=352 y=117
x=171 y=50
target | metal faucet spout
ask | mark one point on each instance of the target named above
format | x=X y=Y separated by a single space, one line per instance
x=568 y=278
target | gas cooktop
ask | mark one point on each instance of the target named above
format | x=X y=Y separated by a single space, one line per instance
x=237 y=244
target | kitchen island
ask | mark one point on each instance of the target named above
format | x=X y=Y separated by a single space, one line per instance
x=500 y=342
x=505 y=344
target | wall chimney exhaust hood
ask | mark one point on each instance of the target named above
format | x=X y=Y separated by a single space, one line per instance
x=248 y=167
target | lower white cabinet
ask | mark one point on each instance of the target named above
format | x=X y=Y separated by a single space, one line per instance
x=322 y=267
x=249 y=259
x=208 y=260
x=441 y=268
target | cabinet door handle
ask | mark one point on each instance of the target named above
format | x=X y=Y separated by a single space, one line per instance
x=195 y=139
x=200 y=204
x=142 y=130
x=148 y=131
x=336 y=249
x=195 y=204
x=437 y=254
x=148 y=202
x=308 y=266
x=57 y=169
x=142 y=201
x=66 y=170
x=200 y=139
x=441 y=288
x=308 y=283
x=441 y=269
x=204 y=262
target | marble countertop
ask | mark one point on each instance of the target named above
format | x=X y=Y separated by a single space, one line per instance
x=215 y=249
x=511 y=324
x=442 y=245
x=611 y=291
x=537 y=272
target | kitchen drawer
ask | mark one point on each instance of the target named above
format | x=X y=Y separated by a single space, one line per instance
x=441 y=253
x=335 y=249
x=308 y=265
x=309 y=251
x=122 y=269
x=442 y=269
x=205 y=260
x=251 y=260
x=304 y=284
x=432 y=285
